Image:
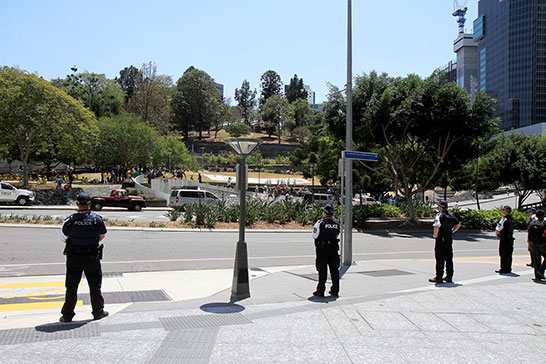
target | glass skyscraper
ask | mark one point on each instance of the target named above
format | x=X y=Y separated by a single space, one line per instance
x=512 y=59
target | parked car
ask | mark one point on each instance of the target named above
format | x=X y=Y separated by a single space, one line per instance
x=181 y=197
x=11 y=194
x=365 y=200
x=319 y=198
x=118 y=198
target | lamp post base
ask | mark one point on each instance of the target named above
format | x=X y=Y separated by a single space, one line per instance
x=240 y=288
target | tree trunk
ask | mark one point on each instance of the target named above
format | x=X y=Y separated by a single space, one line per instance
x=411 y=209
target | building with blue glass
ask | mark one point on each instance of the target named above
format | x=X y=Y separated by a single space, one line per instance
x=511 y=36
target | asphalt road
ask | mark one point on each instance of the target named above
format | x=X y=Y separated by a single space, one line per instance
x=37 y=251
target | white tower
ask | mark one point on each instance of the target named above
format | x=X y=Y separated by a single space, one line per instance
x=467 y=51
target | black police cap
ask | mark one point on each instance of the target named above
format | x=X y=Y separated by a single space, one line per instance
x=329 y=209
x=507 y=208
x=83 y=198
x=442 y=204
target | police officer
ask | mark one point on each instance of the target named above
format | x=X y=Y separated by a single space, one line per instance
x=325 y=233
x=82 y=232
x=532 y=217
x=537 y=239
x=445 y=225
x=505 y=235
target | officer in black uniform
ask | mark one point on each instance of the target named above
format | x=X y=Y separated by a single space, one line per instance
x=536 y=231
x=82 y=233
x=505 y=235
x=325 y=233
x=445 y=225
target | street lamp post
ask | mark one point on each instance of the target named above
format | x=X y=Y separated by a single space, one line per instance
x=240 y=288
x=348 y=239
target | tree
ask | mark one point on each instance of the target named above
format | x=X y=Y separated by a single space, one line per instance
x=246 y=101
x=517 y=159
x=152 y=97
x=128 y=79
x=419 y=125
x=271 y=85
x=319 y=157
x=303 y=115
x=295 y=90
x=36 y=116
x=277 y=114
x=171 y=152
x=125 y=140
x=102 y=96
x=238 y=129
x=195 y=102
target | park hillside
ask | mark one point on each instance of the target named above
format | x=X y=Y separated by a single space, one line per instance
x=428 y=132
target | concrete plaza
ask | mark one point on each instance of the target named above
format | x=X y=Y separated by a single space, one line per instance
x=387 y=313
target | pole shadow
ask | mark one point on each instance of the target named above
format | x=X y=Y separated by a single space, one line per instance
x=222 y=307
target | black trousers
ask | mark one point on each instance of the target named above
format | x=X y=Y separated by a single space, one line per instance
x=506 y=248
x=443 y=252
x=539 y=258
x=75 y=266
x=327 y=258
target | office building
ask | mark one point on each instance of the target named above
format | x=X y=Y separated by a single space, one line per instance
x=310 y=94
x=511 y=36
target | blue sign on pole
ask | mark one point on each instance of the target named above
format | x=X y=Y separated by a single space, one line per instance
x=362 y=156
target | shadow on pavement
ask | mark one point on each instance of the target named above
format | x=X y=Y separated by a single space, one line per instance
x=509 y=274
x=222 y=307
x=62 y=326
x=468 y=236
x=448 y=285
x=322 y=299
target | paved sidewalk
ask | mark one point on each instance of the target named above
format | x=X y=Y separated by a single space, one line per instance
x=388 y=313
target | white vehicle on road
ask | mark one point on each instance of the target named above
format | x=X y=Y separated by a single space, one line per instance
x=364 y=200
x=181 y=197
x=8 y=193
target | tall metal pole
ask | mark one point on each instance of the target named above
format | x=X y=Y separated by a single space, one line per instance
x=348 y=240
x=240 y=288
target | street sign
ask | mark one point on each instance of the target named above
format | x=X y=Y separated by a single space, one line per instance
x=361 y=156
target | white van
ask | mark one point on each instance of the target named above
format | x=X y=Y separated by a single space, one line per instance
x=319 y=198
x=181 y=197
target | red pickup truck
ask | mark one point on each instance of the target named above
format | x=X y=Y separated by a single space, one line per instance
x=118 y=198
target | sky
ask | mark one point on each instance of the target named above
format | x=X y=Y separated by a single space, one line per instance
x=230 y=40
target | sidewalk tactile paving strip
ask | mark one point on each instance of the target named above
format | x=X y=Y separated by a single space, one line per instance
x=201 y=321
x=385 y=273
x=131 y=296
x=48 y=332
x=112 y=274
x=109 y=297
x=193 y=346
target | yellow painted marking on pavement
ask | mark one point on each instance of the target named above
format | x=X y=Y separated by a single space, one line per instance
x=36 y=296
x=32 y=285
x=34 y=306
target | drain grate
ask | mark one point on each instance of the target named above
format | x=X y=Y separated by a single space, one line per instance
x=385 y=273
x=201 y=321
